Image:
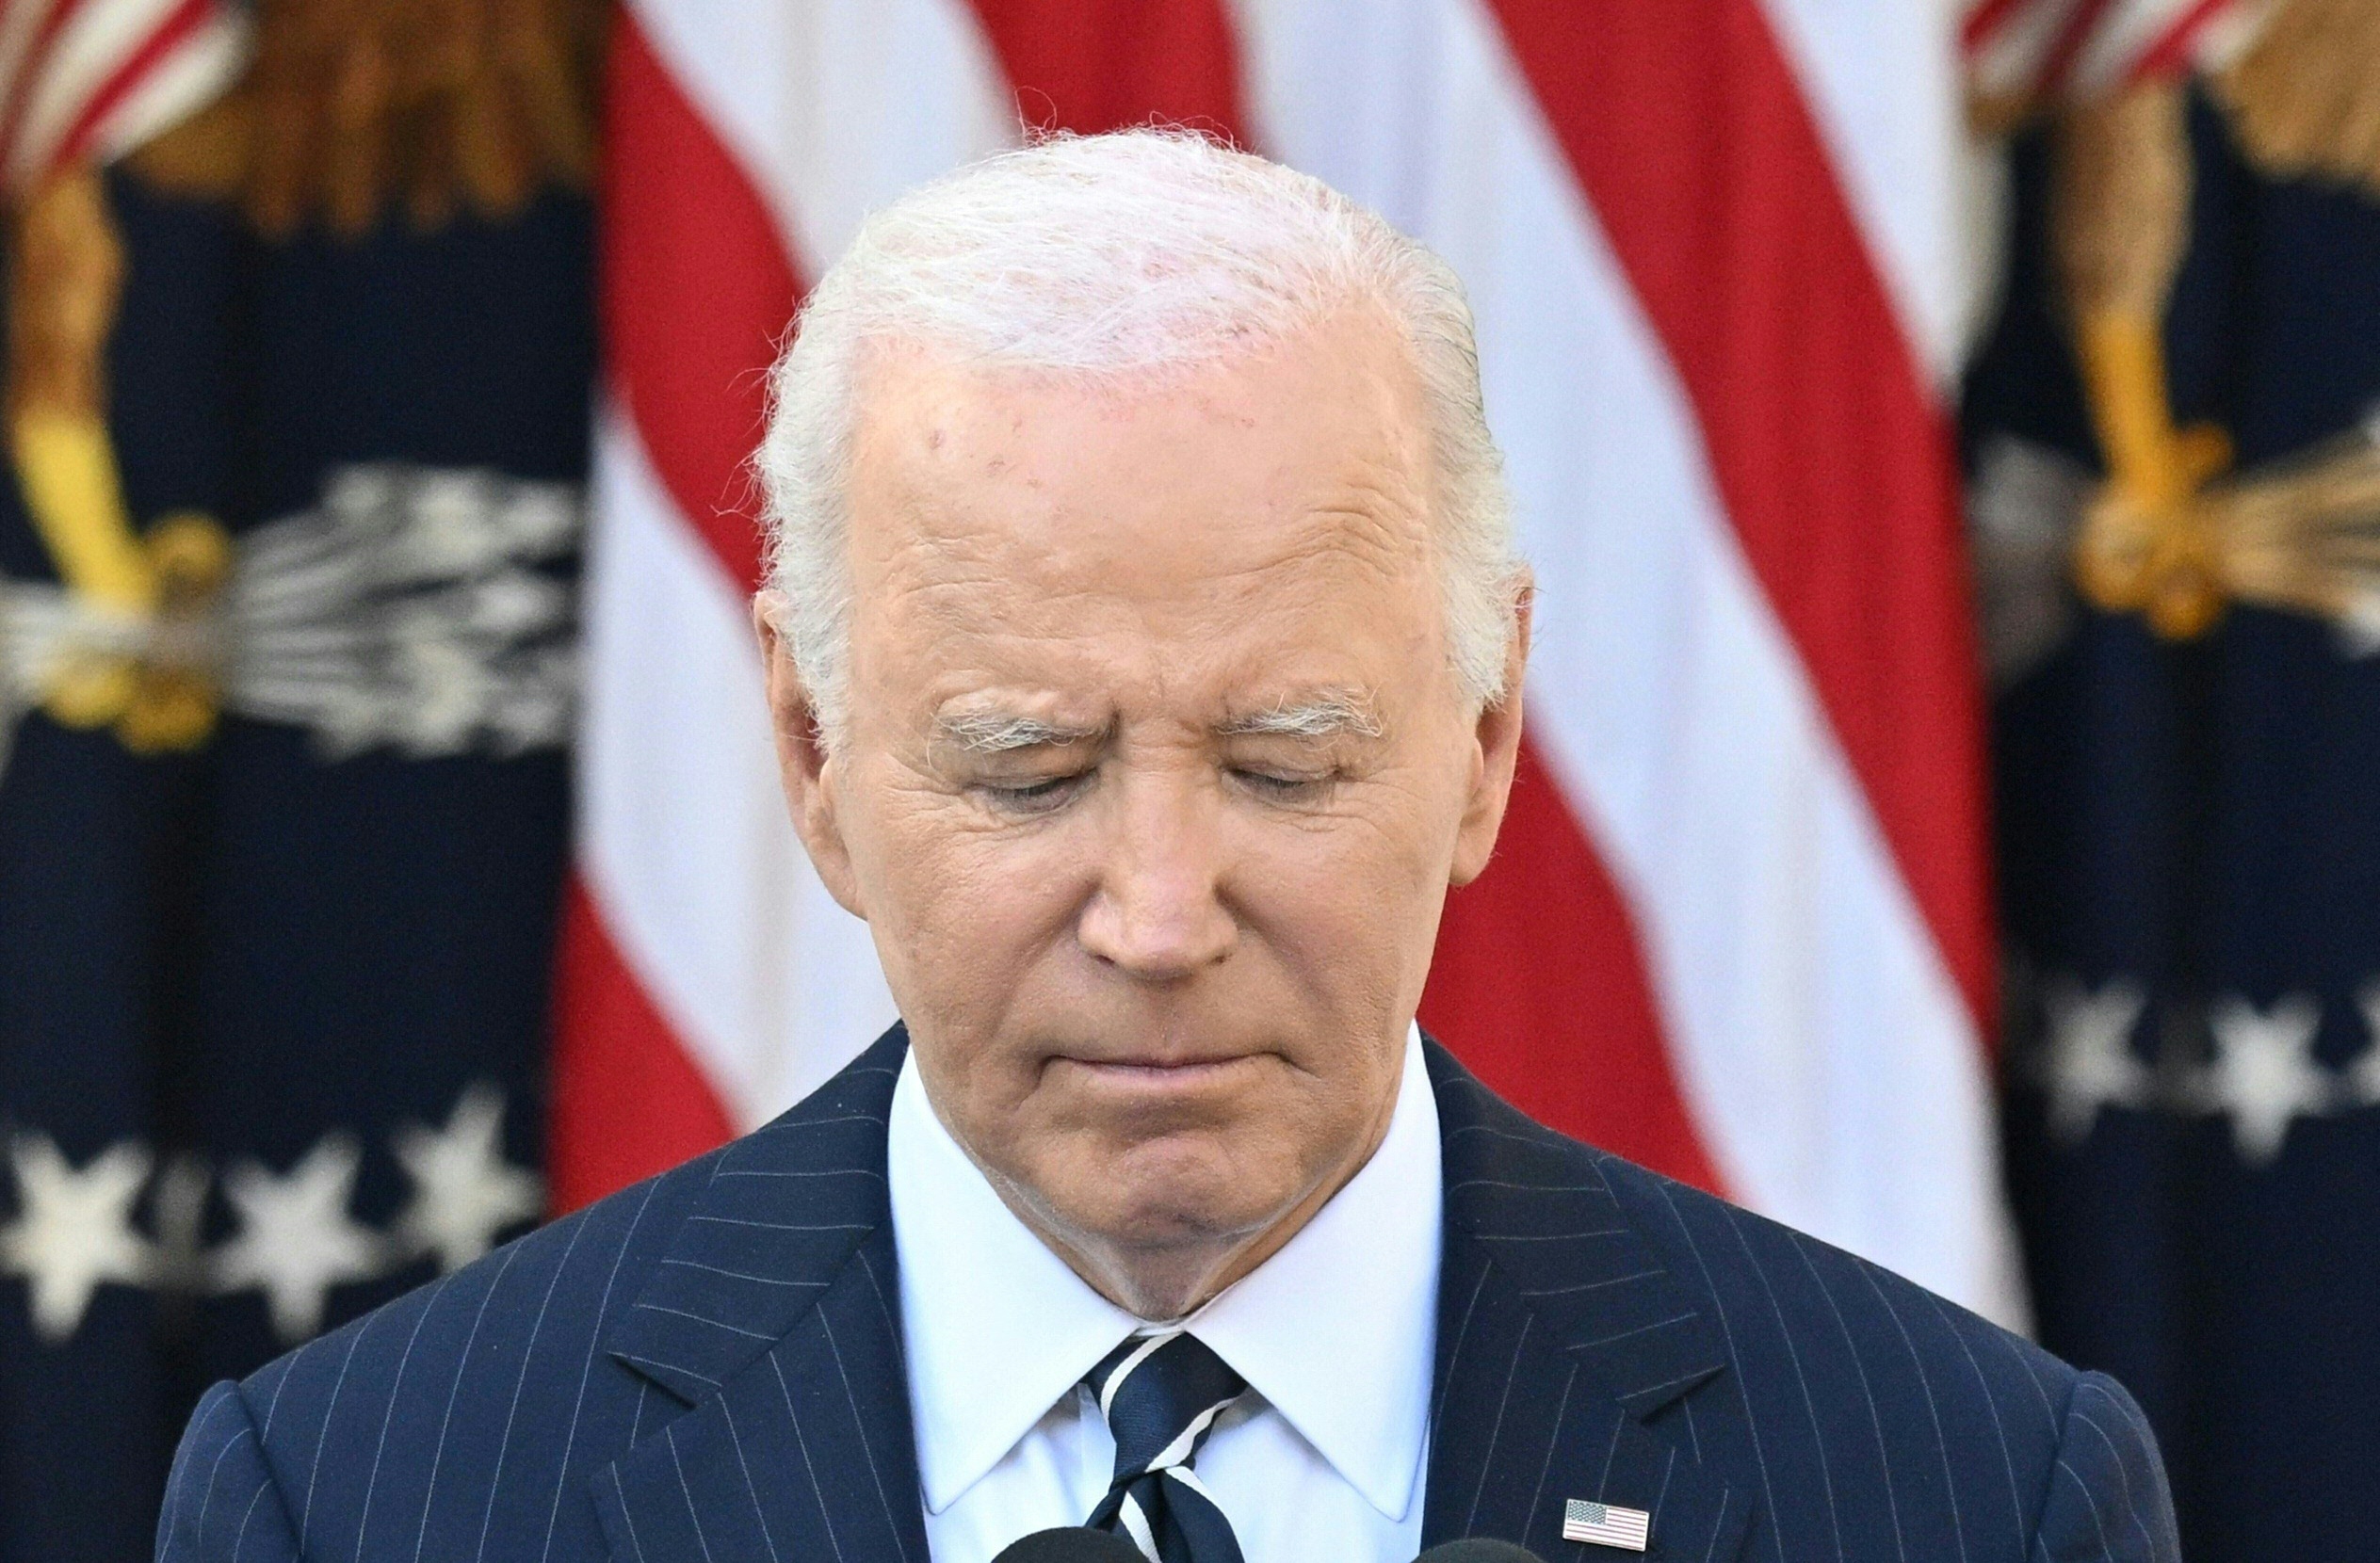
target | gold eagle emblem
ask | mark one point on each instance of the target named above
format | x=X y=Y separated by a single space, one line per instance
x=347 y=108
x=2175 y=533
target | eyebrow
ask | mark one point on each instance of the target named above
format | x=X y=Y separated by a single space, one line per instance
x=999 y=732
x=1324 y=715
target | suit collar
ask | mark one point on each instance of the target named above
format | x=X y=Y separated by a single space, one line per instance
x=1561 y=1340
x=780 y=1217
x=1548 y=1220
x=771 y=1317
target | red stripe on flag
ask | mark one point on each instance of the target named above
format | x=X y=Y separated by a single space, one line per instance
x=2170 y=54
x=1688 y=132
x=628 y=1102
x=695 y=291
x=178 y=27
x=1093 y=65
x=1539 y=984
x=30 y=69
x=1985 y=20
x=2067 y=46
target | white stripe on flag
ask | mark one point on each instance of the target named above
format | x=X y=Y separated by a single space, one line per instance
x=88 y=51
x=1882 y=81
x=684 y=836
x=831 y=107
x=189 y=78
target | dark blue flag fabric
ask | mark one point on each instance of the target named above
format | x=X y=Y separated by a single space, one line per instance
x=286 y=573
x=2170 y=435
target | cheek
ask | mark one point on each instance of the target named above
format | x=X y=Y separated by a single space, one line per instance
x=959 y=911
x=1354 y=892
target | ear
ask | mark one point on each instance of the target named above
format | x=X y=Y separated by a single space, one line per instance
x=1498 y=738
x=804 y=763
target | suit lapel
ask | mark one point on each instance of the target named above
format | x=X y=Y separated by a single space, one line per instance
x=771 y=1329
x=1559 y=1336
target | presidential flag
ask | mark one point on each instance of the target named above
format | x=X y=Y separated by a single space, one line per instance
x=1737 y=926
x=296 y=436
x=2175 y=478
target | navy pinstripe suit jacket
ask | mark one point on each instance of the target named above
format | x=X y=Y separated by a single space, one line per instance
x=707 y=1367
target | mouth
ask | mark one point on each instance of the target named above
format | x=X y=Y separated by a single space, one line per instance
x=1159 y=1074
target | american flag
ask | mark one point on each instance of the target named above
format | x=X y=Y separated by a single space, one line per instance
x=1737 y=928
x=2045 y=50
x=1605 y=1524
x=91 y=79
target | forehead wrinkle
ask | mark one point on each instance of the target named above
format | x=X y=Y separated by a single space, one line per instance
x=1371 y=511
x=974 y=588
x=1312 y=552
x=925 y=540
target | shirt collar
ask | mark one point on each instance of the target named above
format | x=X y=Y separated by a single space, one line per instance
x=1357 y=1284
x=986 y=1362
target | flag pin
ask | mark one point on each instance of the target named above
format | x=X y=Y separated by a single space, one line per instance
x=1606 y=1525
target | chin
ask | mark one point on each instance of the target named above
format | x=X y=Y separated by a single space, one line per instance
x=1171 y=1195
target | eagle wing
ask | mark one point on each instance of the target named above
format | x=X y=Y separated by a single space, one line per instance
x=2305 y=95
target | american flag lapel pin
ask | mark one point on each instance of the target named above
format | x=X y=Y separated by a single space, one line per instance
x=1606 y=1525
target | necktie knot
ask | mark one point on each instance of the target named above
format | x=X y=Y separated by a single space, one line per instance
x=1160 y=1395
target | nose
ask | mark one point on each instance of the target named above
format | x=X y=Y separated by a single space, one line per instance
x=1159 y=913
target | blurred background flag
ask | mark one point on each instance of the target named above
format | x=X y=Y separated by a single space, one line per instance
x=2021 y=53
x=299 y=349
x=2174 y=437
x=1738 y=927
x=89 y=80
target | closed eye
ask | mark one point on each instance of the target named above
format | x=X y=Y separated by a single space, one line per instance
x=1283 y=786
x=1039 y=795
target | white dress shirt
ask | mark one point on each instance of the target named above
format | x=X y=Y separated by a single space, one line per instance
x=1335 y=1334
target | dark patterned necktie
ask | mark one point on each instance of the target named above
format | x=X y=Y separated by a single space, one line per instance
x=1160 y=1394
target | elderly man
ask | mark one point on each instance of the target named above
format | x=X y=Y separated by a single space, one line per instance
x=1145 y=650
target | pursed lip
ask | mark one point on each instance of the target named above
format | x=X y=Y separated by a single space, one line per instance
x=1153 y=1071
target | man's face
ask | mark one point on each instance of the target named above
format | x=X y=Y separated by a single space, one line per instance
x=1154 y=778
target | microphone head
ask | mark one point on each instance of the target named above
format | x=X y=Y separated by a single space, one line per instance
x=1477 y=1549
x=1079 y=1544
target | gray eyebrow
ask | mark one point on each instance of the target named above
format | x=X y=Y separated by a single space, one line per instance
x=1322 y=716
x=998 y=731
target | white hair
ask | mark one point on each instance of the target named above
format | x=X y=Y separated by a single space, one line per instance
x=1108 y=255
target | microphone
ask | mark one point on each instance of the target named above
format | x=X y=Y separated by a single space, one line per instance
x=1477 y=1549
x=1081 y=1544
